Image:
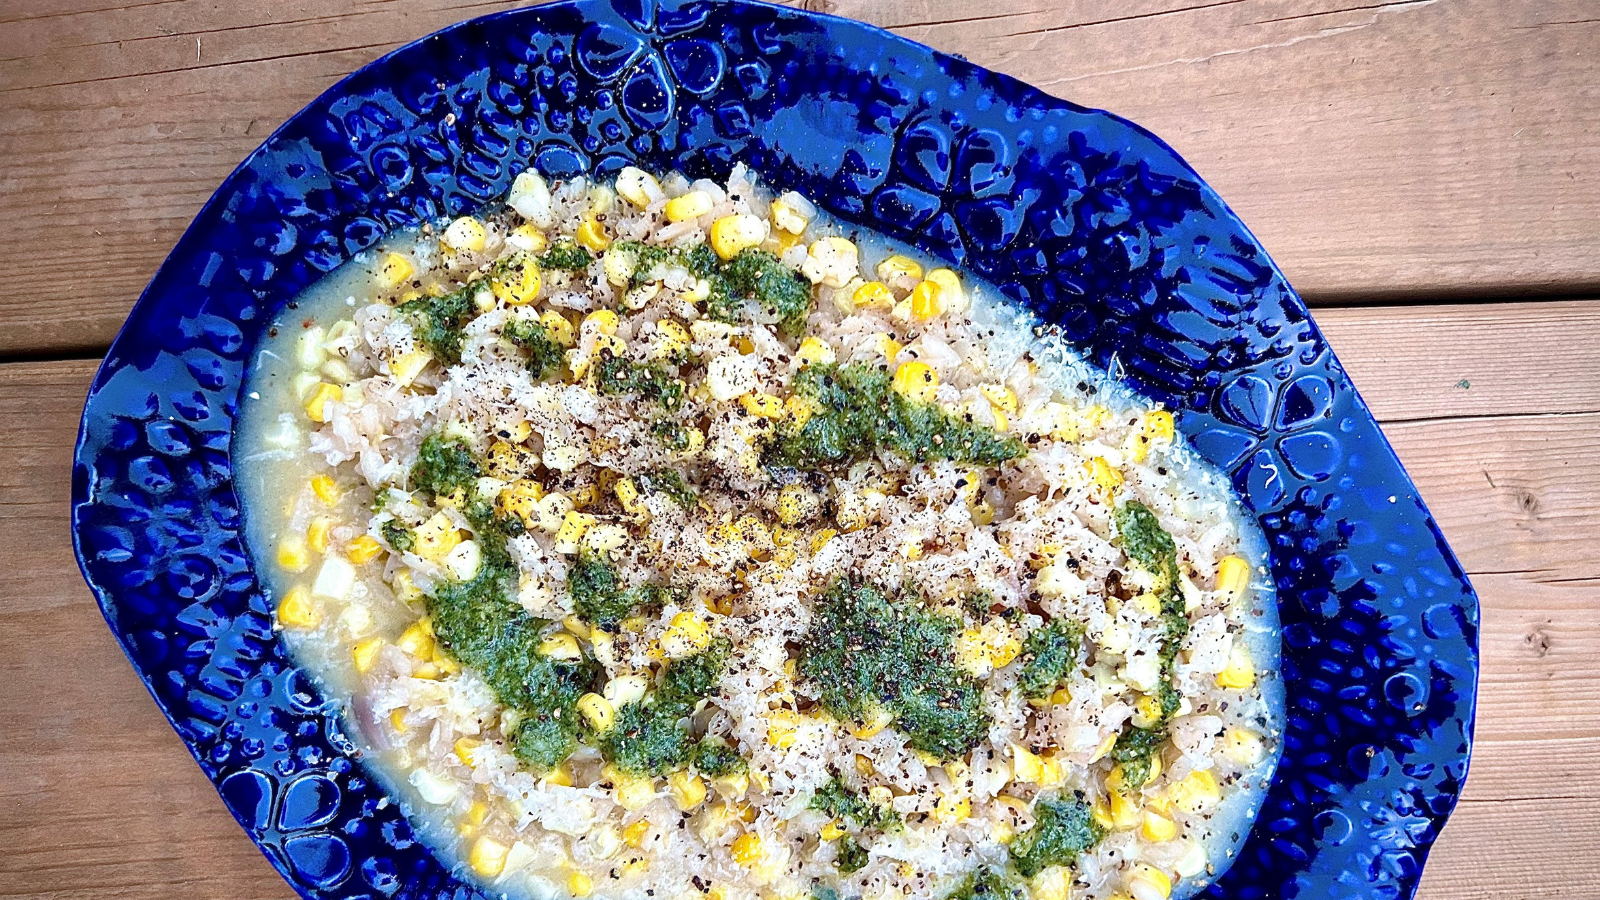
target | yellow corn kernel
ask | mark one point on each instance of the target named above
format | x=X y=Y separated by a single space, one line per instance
x=436 y=537
x=1106 y=477
x=317 y=534
x=603 y=320
x=488 y=857
x=916 y=381
x=970 y=652
x=878 y=720
x=1125 y=812
x=365 y=654
x=1158 y=828
x=886 y=345
x=296 y=610
x=898 y=266
x=561 y=646
x=573 y=525
x=363 y=549
x=394 y=270
x=417 y=639
x=748 y=850
x=950 y=808
x=637 y=186
x=292 y=556
x=1102 y=813
x=1233 y=576
x=1000 y=397
x=1146 y=711
x=627 y=492
x=326 y=489
x=579 y=884
x=635 y=793
x=321 y=395
x=731 y=235
x=951 y=294
x=1243 y=746
x=1146 y=882
x=692 y=205
x=1196 y=793
x=672 y=340
x=762 y=405
x=688 y=789
x=1105 y=747
x=397 y=720
x=521 y=499
x=831 y=831
x=464 y=747
x=786 y=217
x=634 y=835
x=816 y=350
x=685 y=636
x=1158 y=426
x=1051 y=884
x=528 y=238
x=796 y=504
x=592 y=235
x=558 y=327
x=783 y=725
x=560 y=775
x=821 y=538
x=407 y=366
x=1026 y=767
x=1241 y=671
x=872 y=295
x=465 y=235
x=732 y=786
x=598 y=712
x=926 y=303
x=518 y=284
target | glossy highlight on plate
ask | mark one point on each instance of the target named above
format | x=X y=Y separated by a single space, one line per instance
x=1088 y=220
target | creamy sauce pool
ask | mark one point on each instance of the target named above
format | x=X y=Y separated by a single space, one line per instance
x=273 y=467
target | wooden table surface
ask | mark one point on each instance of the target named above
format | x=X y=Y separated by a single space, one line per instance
x=1426 y=172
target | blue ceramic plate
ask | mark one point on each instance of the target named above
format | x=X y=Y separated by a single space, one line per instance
x=1081 y=215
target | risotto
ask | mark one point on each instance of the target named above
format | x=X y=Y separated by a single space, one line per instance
x=665 y=538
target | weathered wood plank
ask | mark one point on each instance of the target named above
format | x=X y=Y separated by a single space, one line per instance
x=102 y=797
x=1478 y=116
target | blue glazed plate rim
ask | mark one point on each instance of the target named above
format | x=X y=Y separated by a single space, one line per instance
x=1402 y=881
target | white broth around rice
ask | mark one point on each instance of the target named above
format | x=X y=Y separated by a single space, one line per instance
x=665 y=539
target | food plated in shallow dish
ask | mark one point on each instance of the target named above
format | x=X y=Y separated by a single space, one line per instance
x=1077 y=216
x=660 y=534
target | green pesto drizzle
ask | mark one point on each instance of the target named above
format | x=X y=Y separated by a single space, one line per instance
x=866 y=653
x=649 y=736
x=545 y=356
x=598 y=596
x=1063 y=828
x=1049 y=654
x=855 y=412
x=1152 y=548
x=438 y=321
x=482 y=626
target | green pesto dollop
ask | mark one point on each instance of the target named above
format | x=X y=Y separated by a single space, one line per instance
x=852 y=856
x=398 y=536
x=480 y=624
x=566 y=255
x=866 y=653
x=545 y=356
x=598 y=596
x=855 y=412
x=438 y=321
x=1063 y=828
x=837 y=800
x=1153 y=549
x=650 y=736
x=760 y=275
x=670 y=483
x=652 y=381
x=988 y=884
x=1049 y=654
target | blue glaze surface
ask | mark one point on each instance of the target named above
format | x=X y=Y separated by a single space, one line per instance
x=1089 y=220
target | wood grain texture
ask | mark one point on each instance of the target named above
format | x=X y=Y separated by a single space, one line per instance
x=1381 y=150
x=102 y=799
